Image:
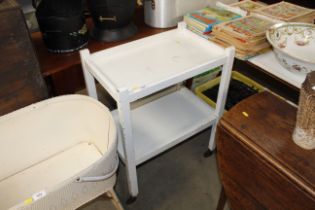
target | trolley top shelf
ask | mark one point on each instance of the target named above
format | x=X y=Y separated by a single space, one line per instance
x=154 y=59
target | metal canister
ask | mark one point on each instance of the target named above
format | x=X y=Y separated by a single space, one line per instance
x=161 y=13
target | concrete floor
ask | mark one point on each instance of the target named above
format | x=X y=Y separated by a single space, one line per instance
x=179 y=179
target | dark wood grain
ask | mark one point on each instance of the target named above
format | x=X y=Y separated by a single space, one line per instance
x=21 y=82
x=68 y=81
x=258 y=154
x=238 y=197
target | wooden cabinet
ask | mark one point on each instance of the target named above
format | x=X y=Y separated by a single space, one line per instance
x=21 y=82
x=260 y=166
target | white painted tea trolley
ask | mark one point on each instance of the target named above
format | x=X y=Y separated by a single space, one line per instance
x=140 y=68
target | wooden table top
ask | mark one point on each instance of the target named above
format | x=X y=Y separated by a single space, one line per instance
x=52 y=63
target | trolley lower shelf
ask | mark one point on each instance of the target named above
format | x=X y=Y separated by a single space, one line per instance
x=165 y=122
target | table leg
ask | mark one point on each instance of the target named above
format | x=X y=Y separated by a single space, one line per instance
x=222 y=200
x=128 y=145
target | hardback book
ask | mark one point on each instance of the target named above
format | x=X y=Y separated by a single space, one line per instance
x=247 y=28
x=206 y=18
x=285 y=11
x=240 y=53
x=200 y=33
x=241 y=43
x=246 y=34
x=248 y=5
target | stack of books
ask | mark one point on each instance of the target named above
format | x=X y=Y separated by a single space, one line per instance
x=246 y=34
x=202 y=21
x=225 y=26
x=288 y=12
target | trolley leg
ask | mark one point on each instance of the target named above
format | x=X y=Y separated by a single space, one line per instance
x=131 y=200
x=212 y=144
x=207 y=153
x=88 y=77
x=125 y=123
x=222 y=94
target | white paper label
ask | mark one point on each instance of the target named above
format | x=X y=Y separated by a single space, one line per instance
x=39 y=195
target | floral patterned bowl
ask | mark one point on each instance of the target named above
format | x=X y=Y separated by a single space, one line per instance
x=294 y=45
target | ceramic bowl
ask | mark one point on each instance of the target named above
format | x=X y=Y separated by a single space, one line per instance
x=294 y=45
